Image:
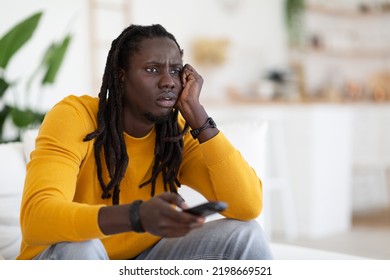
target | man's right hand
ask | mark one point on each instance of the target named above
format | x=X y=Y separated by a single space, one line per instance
x=159 y=217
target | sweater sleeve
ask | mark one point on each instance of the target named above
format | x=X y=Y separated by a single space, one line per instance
x=48 y=213
x=219 y=172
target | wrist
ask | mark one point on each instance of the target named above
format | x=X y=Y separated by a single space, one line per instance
x=195 y=116
x=208 y=124
x=134 y=216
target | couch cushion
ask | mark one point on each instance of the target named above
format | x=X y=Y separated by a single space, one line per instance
x=12 y=168
x=250 y=138
x=29 y=142
x=12 y=174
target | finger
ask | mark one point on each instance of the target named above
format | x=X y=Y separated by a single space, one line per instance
x=172 y=198
x=191 y=70
x=196 y=219
x=183 y=78
x=169 y=222
x=182 y=219
x=184 y=75
x=172 y=213
x=189 y=73
x=151 y=210
x=172 y=229
x=167 y=227
x=171 y=217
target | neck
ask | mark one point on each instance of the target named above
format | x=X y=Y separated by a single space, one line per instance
x=137 y=128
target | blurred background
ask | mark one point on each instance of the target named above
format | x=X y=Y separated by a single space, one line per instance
x=318 y=71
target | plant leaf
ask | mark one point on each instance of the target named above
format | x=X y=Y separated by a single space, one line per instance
x=22 y=118
x=3 y=115
x=3 y=86
x=15 y=38
x=53 y=59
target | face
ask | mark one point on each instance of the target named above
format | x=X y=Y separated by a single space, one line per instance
x=152 y=82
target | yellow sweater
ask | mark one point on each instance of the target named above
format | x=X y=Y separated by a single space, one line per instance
x=62 y=194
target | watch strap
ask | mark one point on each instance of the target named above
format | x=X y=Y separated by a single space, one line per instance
x=135 y=220
x=208 y=124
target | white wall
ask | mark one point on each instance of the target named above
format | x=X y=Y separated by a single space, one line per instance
x=254 y=28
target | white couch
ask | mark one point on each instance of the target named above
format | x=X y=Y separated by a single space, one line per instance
x=12 y=170
x=14 y=156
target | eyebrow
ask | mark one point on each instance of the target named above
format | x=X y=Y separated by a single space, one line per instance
x=156 y=62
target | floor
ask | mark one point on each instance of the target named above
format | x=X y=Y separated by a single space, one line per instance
x=369 y=237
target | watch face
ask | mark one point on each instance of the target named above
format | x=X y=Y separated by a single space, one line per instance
x=210 y=123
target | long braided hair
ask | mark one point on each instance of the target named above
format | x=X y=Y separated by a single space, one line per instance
x=109 y=138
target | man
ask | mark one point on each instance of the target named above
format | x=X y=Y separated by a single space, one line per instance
x=102 y=182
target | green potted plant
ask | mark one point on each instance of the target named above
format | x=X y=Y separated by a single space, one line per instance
x=294 y=12
x=45 y=74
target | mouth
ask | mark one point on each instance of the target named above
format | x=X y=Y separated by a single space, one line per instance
x=166 y=100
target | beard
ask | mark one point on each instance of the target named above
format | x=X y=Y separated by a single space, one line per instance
x=158 y=119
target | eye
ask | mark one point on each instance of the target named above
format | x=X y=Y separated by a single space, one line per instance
x=176 y=71
x=151 y=69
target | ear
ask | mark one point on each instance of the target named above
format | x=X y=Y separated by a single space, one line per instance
x=122 y=74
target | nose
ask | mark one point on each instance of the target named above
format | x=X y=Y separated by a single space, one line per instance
x=166 y=80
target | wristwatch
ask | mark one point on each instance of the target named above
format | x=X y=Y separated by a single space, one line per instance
x=208 y=124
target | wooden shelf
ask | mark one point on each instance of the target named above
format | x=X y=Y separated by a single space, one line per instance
x=348 y=17
x=358 y=54
x=345 y=12
x=237 y=98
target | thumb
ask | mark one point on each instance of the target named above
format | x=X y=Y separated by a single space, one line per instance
x=174 y=198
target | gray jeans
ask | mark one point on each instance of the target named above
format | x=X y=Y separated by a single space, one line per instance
x=223 y=239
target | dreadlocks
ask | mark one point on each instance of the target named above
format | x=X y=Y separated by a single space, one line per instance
x=109 y=139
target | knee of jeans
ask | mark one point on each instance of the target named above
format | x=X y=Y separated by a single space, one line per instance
x=247 y=235
x=86 y=250
x=254 y=227
x=244 y=228
x=249 y=226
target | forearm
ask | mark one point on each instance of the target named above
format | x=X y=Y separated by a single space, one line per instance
x=223 y=174
x=235 y=182
x=114 y=219
x=45 y=221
